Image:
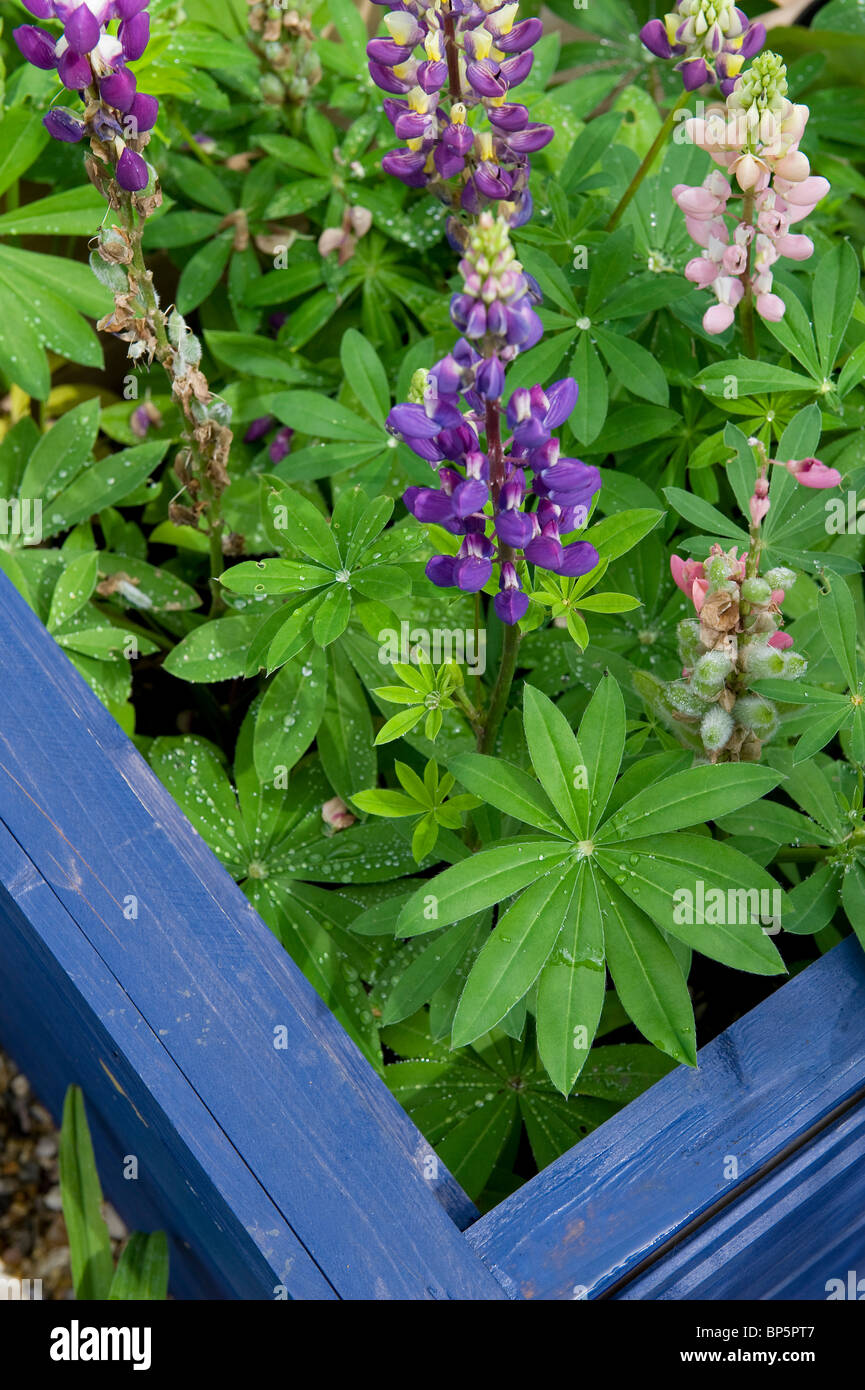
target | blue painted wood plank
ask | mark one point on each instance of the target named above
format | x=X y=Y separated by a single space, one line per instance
x=597 y=1212
x=65 y=1018
x=800 y=1228
x=316 y=1126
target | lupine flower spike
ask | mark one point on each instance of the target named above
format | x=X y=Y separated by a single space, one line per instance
x=92 y=61
x=441 y=62
x=710 y=39
x=484 y=494
x=755 y=138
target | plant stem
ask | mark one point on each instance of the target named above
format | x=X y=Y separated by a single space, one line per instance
x=511 y=643
x=455 y=87
x=659 y=140
x=748 y=332
x=501 y=689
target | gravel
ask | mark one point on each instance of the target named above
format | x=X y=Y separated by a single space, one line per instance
x=33 y=1241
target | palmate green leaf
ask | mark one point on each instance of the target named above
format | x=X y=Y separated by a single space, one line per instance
x=298 y=197
x=320 y=417
x=432 y=968
x=690 y=798
x=508 y=788
x=345 y=737
x=814 y=901
x=89 y=1241
x=77 y=212
x=772 y=821
x=656 y=872
x=365 y=374
x=615 y=535
x=557 y=759
x=477 y=883
x=22 y=359
x=22 y=138
x=290 y=714
x=512 y=958
x=215 y=651
x=752 y=378
x=636 y=369
x=373 y=853
x=142 y=1270
x=203 y=272
x=853 y=897
x=823 y=728
x=838 y=621
x=590 y=411
x=304 y=527
x=554 y=1125
x=704 y=515
x=74 y=589
x=835 y=290
x=65 y=447
x=647 y=977
x=571 y=987
x=332 y=616
x=471 y=1150
x=50 y=317
x=602 y=743
x=623 y=1072
x=105 y=483
x=191 y=769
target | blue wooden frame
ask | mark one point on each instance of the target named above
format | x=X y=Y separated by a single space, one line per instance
x=293 y=1172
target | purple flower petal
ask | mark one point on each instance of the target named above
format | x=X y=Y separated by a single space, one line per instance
x=144 y=111
x=472 y=573
x=134 y=34
x=530 y=140
x=654 y=36
x=562 y=397
x=431 y=77
x=280 y=445
x=545 y=552
x=118 y=90
x=510 y=606
x=695 y=73
x=126 y=9
x=515 y=70
x=63 y=125
x=258 y=429
x=75 y=72
x=440 y=571
x=387 y=81
x=82 y=30
x=578 y=558
x=132 y=172
x=483 y=78
x=43 y=9
x=388 y=53
x=522 y=36
x=490 y=379
x=37 y=46
x=412 y=421
x=510 y=117
x=514 y=528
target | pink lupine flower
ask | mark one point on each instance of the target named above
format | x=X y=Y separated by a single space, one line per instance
x=811 y=472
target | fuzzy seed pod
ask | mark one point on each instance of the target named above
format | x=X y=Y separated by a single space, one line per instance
x=690 y=646
x=710 y=674
x=716 y=728
x=756 y=591
x=757 y=715
x=683 y=699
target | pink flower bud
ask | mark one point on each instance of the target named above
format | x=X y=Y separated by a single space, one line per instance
x=780 y=641
x=758 y=507
x=336 y=814
x=793 y=166
x=701 y=271
x=770 y=307
x=718 y=318
x=795 y=248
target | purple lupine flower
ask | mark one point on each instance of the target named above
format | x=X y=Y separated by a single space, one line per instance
x=710 y=39
x=91 y=61
x=280 y=445
x=258 y=429
x=492 y=56
x=510 y=602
